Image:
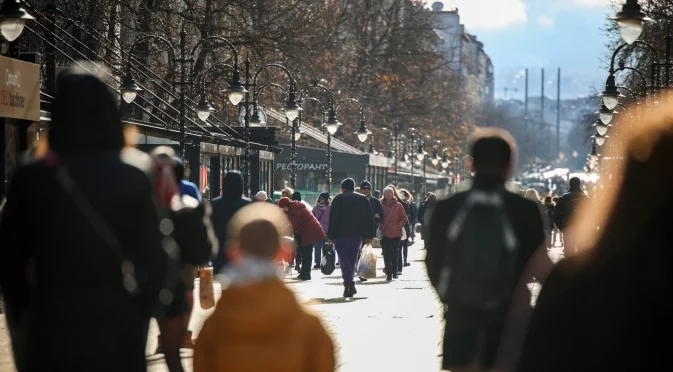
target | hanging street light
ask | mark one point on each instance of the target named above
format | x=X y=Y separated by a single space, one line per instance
x=611 y=94
x=445 y=161
x=435 y=157
x=363 y=132
x=236 y=91
x=605 y=114
x=129 y=87
x=631 y=21
x=594 y=154
x=258 y=118
x=600 y=139
x=12 y=19
x=420 y=154
x=298 y=133
x=203 y=109
x=291 y=108
x=601 y=128
x=332 y=124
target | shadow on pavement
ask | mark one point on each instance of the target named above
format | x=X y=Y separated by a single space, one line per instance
x=336 y=300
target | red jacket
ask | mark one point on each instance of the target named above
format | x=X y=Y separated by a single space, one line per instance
x=394 y=218
x=305 y=223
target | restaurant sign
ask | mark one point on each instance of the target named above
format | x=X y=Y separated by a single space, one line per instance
x=306 y=167
x=19 y=89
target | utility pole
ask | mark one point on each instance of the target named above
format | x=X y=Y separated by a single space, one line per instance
x=558 y=113
x=542 y=126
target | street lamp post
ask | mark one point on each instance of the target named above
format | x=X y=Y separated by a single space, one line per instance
x=13 y=18
x=333 y=125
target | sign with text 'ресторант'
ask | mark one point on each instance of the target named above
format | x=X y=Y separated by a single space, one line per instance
x=303 y=167
x=19 y=89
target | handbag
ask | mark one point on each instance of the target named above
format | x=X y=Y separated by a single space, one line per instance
x=206 y=290
x=379 y=231
x=327 y=263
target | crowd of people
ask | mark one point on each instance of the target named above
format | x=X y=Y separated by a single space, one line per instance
x=98 y=238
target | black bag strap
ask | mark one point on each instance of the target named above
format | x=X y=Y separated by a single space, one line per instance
x=72 y=189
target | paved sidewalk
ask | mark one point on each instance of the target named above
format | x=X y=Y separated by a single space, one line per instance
x=387 y=326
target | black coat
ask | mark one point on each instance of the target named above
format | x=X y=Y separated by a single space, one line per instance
x=76 y=313
x=351 y=215
x=224 y=208
x=376 y=209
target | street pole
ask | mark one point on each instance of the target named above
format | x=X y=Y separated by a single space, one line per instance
x=329 y=162
x=397 y=148
x=293 y=154
x=411 y=163
x=246 y=121
x=183 y=78
x=425 y=180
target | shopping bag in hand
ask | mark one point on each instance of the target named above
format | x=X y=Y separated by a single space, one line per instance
x=367 y=265
x=327 y=264
x=206 y=291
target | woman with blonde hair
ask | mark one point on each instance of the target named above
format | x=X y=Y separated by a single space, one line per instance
x=604 y=308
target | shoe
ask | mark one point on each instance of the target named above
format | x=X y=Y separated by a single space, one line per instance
x=399 y=272
x=297 y=268
x=348 y=290
x=302 y=278
x=316 y=266
x=384 y=270
x=188 y=343
x=362 y=279
x=389 y=278
x=355 y=291
x=406 y=264
x=160 y=349
x=410 y=244
x=395 y=276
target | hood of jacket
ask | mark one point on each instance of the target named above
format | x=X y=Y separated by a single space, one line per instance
x=257 y=311
x=232 y=185
x=85 y=116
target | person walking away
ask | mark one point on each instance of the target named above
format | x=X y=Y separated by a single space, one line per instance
x=549 y=215
x=566 y=208
x=425 y=211
x=413 y=218
x=188 y=187
x=258 y=325
x=307 y=228
x=394 y=220
x=79 y=226
x=557 y=233
x=321 y=213
x=410 y=208
x=224 y=207
x=608 y=308
x=351 y=221
x=479 y=245
x=196 y=241
x=261 y=196
x=375 y=203
x=296 y=196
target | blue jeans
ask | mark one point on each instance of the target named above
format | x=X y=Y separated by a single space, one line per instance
x=317 y=247
x=347 y=248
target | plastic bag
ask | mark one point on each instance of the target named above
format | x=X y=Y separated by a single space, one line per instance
x=367 y=265
x=206 y=291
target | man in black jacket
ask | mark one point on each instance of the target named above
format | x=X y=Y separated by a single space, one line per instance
x=351 y=221
x=375 y=203
x=224 y=208
x=565 y=209
x=473 y=337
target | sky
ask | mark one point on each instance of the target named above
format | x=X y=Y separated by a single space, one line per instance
x=536 y=34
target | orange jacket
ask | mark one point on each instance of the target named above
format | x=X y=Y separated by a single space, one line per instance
x=261 y=328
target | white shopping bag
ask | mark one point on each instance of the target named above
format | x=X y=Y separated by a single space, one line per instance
x=367 y=264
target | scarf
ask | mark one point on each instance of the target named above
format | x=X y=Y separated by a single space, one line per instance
x=249 y=270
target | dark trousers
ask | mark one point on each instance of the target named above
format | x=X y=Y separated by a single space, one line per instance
x=391 y=250
x=402 y=256
x=348 y=248
x=306 y=254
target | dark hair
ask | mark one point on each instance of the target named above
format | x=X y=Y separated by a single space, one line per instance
x=575 y=183
x=178 y=169
x=547 y=199
x=492 y=151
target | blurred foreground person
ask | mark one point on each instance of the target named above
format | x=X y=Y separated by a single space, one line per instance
x=479 y=244
x=81 y=257
x=258 y=325
x=224 y=208
x=609 y=308
x=196 y=243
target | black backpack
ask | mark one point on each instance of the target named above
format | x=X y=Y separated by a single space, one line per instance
x=193 y=231
x=327 y=264
x=480 y=269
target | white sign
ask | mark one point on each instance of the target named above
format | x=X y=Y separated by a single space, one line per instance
x=308 y=167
